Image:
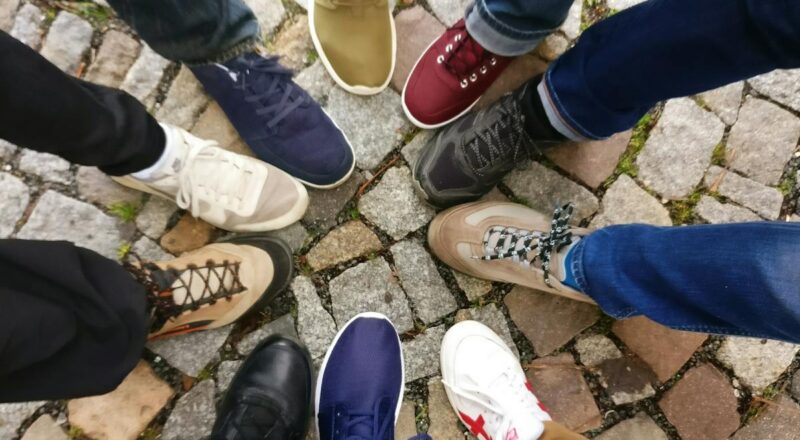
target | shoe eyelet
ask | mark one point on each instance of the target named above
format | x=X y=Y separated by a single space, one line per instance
x=458 y=37
x=448 y=48
x=484 y=69
x=464 y=83
x=440 y=59
x=493 y=61
x=473 y=77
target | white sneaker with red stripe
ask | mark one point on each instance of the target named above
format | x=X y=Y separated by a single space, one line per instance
x=487 y=387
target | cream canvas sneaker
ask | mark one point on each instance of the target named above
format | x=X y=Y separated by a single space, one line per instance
x=507 y=242
x=228 y=190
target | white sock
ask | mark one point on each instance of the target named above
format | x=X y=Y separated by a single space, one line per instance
x=164 y=163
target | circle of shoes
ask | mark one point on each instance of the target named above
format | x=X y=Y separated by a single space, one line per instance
x=218 y=281
x=503 y=242
x=463 y=53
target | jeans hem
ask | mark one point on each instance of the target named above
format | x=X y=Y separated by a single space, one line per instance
x=229 y=54
x=496 y=36
x=558 y=115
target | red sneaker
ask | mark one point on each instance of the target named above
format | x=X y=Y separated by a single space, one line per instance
x=449 y=78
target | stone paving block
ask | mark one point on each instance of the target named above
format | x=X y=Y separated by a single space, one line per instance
x=394 y=206
x=757 y=362
x=678 y=151
x=552 y=47
x=764 y=200
x=143 y=77
x=702 y=405
x=58 y=217
x=13 y=414
x=572 y=25
x=316 y=81
x=490 y=316
x=8 y=9
x=449 y=11
x=406 y=426
x=293 y=42
x=214 y=125
x=295 y=235
x=596 y=349
x=270 y=14
x=7 y=149
x=416 y=29
x=16 y=196
x=421 y=281
x=714 y=212
x=474 y=288
x=97 y=187
x=591 y=162
x=548 y=321
x=68 y=39
x=352 y=239
x=623 y=4
x=115 y=56
x=444 y=422
x=544 y=189
x=191 y=353
x=521 y=69
x=125 y=412
x=762 y=140
x=370 y=287
x=193 y=415
x=225 y=373
x=781 y=85
x=626 y=379
x=325 y=205
x=314 y=324
x=664 y=349
x=412 y=150
x=154 y=217
x=45 y=428
x=779 y=421
x=150 y=250
x=640 y=427
x=283 y=325
x=49 y=167
x=560 y=385
x=725 y=101
x=625 y=202
x=188 y=234
x=374 y=124
x=421 y=354
x=185 y=101
x=27 y=25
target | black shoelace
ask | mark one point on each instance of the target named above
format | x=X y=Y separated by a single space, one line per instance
x=272 y=89
x=218 y=281
x=502 y=242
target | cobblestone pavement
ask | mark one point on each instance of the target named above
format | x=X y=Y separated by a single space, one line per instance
x=726 y=155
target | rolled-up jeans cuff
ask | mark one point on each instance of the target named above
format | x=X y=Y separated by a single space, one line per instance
x=245 y=46
x=558 y=115
x=498 y=37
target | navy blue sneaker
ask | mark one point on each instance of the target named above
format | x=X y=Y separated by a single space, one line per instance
x=280 y=122
x=360 y=384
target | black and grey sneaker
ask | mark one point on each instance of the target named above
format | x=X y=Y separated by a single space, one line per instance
x=465 y=160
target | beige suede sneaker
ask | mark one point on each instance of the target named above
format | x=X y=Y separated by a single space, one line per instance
x=507 y=242
x=228 y=190
x=213 y=286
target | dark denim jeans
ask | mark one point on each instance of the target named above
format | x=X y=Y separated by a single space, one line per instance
x=661 y=49
x=737 y=279
x=192 y=31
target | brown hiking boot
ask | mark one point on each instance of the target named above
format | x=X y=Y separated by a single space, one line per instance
x=507 y=242
x=213 y=286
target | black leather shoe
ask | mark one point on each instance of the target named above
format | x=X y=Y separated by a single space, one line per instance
x=270 y=396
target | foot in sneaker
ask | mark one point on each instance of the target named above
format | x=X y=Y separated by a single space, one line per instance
x=280 y=122
x=270 y=396
x=487 y=387
x=360 y=384
x=228 y=190
x=449 y=78
x=215 y=285
x=507 y=242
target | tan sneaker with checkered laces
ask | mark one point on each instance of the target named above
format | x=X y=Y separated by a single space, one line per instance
x=507 y=242
x=213 y=286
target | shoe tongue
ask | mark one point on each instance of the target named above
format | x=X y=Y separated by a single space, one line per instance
x=467 y=56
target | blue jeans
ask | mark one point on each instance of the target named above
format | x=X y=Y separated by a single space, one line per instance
x=192 y=31
x=514 y=27
x=737 y=279
x=662 y=49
